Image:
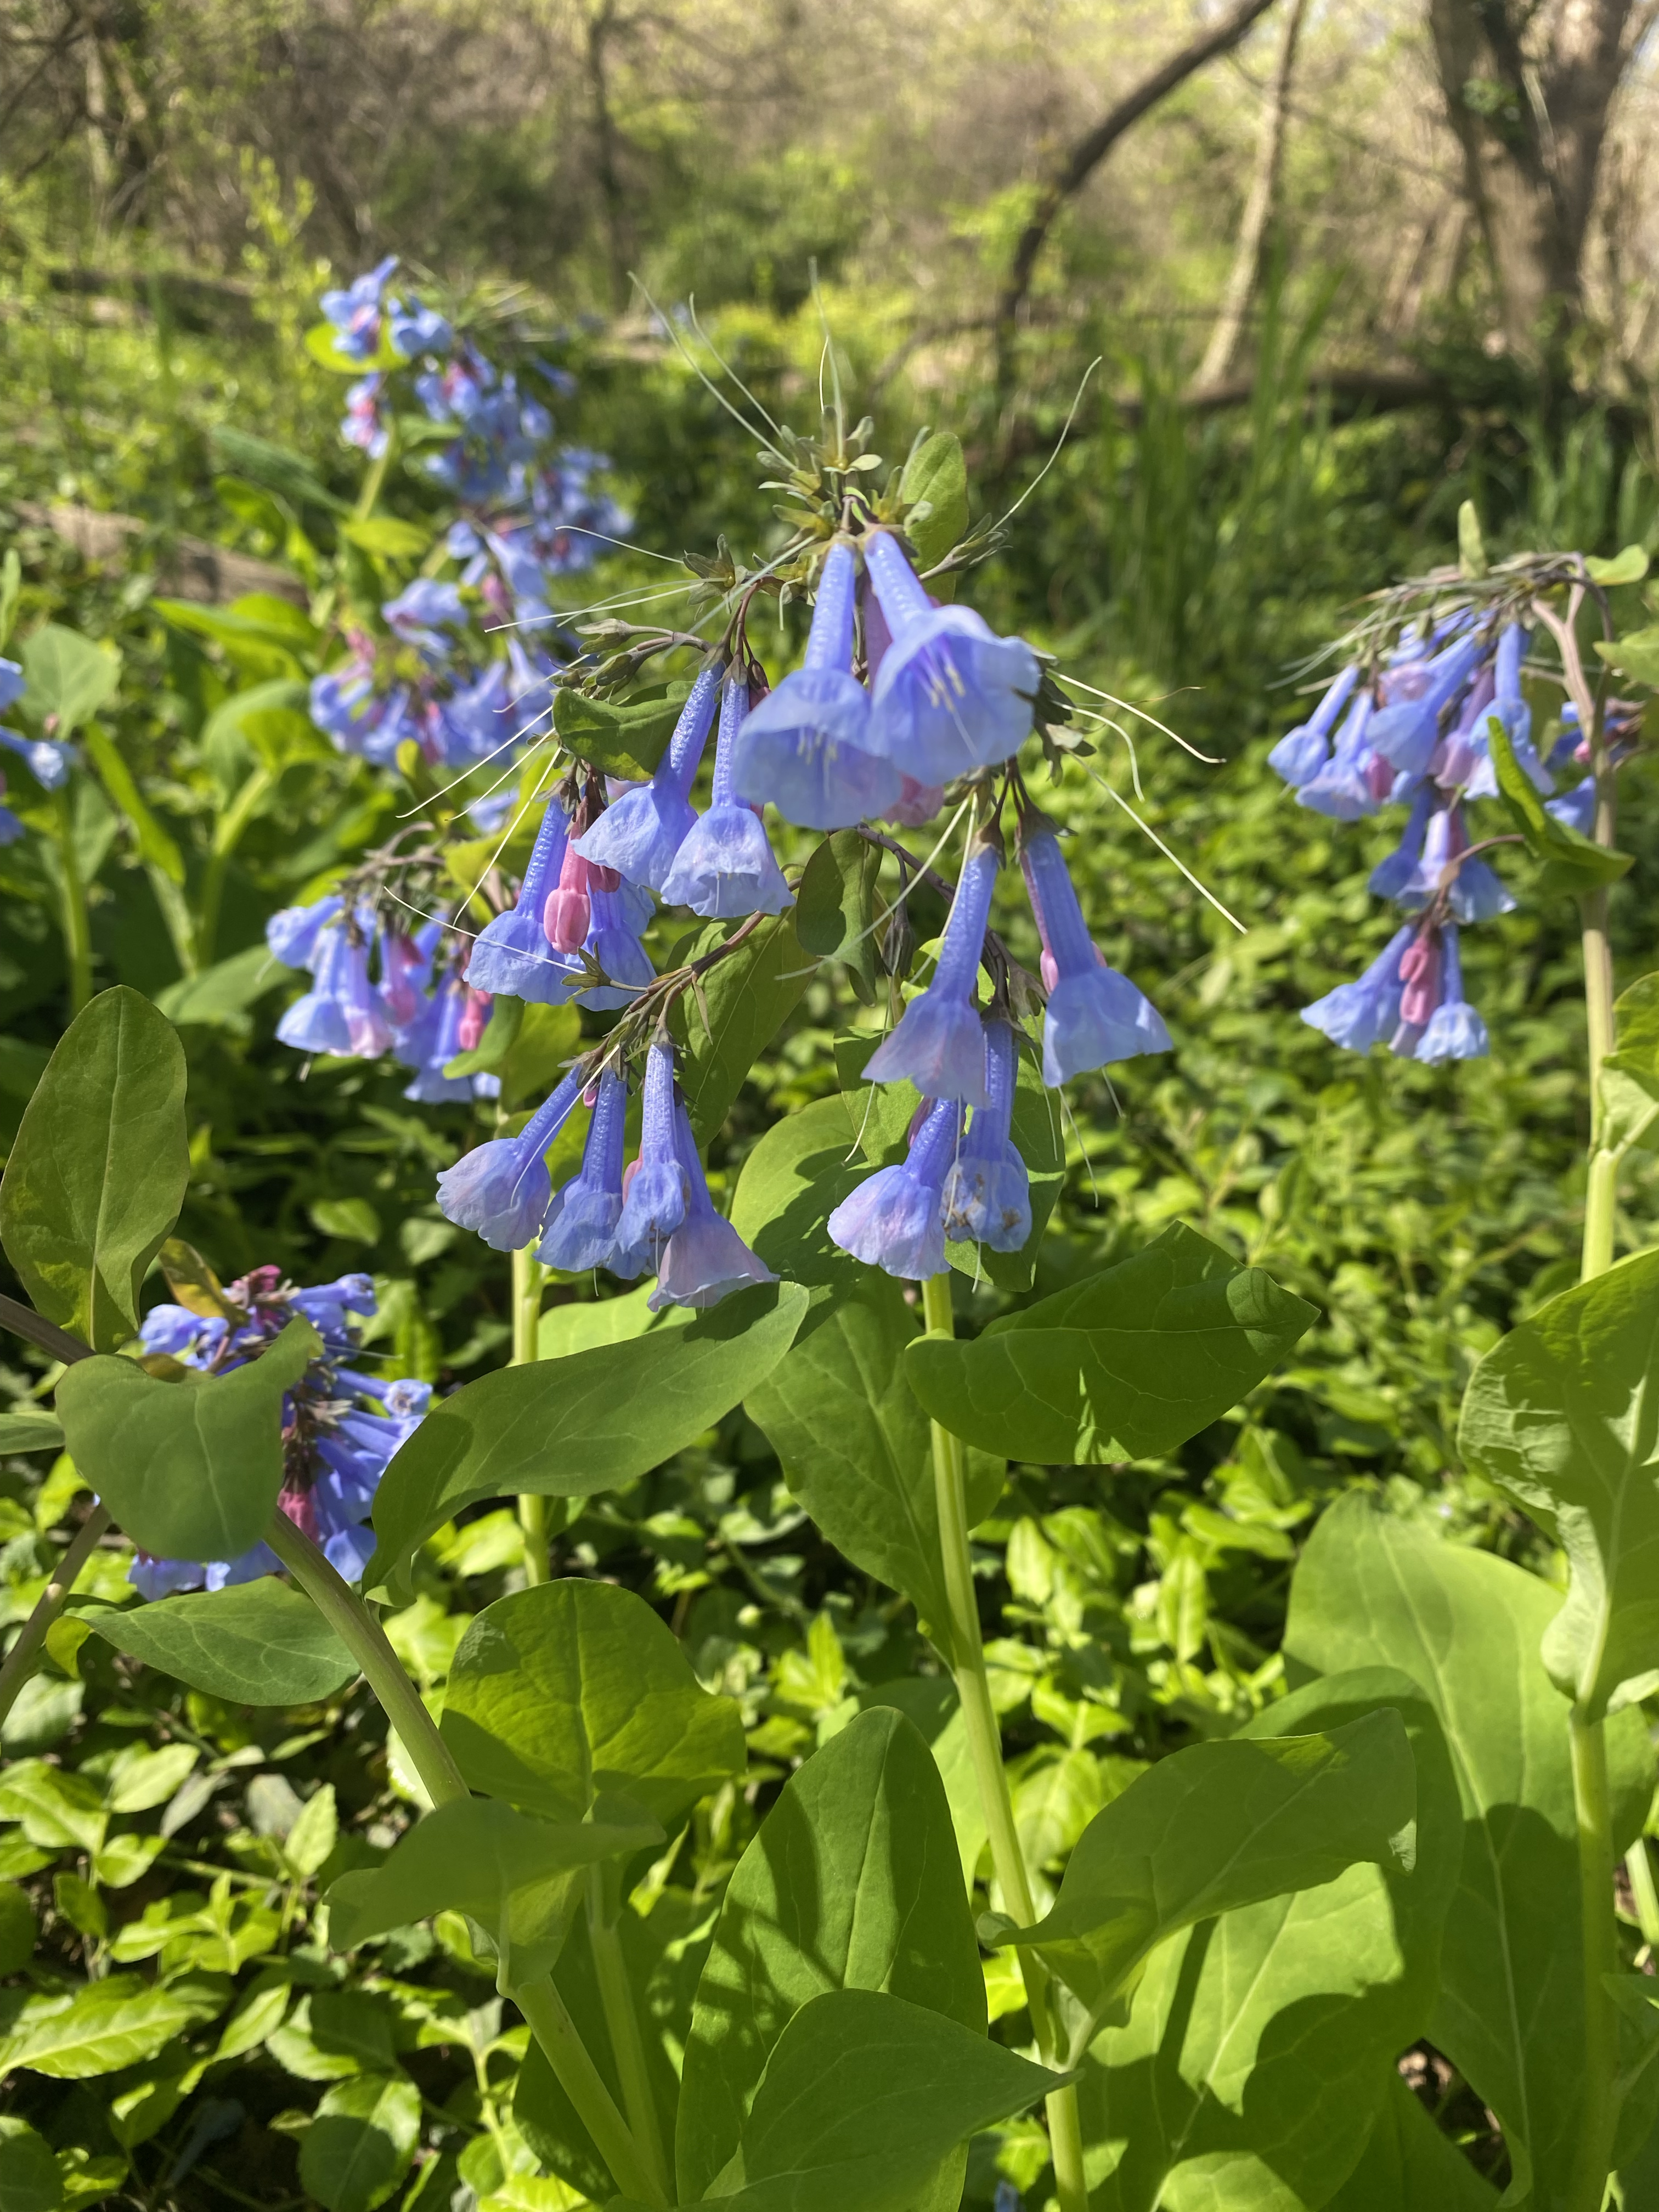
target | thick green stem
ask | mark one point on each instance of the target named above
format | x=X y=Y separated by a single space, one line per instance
x=985 y=1747
x=77 y=923
x=623 y=2020
x=20 y=1660
x=227 y=835
x=433 y=1760
x=528 y=1276
x=1598 y=2071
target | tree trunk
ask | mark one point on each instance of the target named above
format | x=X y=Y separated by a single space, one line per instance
x=600 y=26
x=1222 y=350
x=1528 y=85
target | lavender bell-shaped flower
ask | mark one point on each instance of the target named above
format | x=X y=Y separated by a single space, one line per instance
x=1094 y=1015
x=502 y=1190
x=1510 y=705
x=580 y=1231
x=1406 y=729
x=641 y=834
x=894 y=1219
x=511 y=955
x=369 y=1025
x=806 y=746
x=1454 y=1030
x=1391 y=875
x=613 y=940
x=725 y=867
x=1301 y=753
x=655 y=1186
x=292 y=932
x=1361 y=1013
x=939 y=1043
x=317 y=1021
x=988 y=1192
x=951 y=697
x=1474 y=893
x=705 y=1258
x=1346 y=788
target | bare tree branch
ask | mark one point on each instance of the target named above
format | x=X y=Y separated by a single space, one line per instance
x=1087 y=156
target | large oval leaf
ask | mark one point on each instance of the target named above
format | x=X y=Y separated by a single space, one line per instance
x=560 y=1693
x=192 y=1469
x=100 y=1169
x=256 y=1643
x=566 y=1428
x=1126 y=1364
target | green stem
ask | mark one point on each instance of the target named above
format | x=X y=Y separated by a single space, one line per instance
x=528 y=1276
x=539 y=2002
x=1597 y=2072
x=20 y=1660
x=1639 y=1867
x=623 y=2020
x=77 y=925
x=227 y=834
x=985 y=1748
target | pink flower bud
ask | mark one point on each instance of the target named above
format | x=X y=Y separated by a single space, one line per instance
x=474 y=1015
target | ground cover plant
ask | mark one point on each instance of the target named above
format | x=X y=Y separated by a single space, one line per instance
x=774 y=1911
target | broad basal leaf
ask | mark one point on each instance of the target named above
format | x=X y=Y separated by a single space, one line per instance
x=255 y=1644
x=190 y=1469
x=100 y=1168
x=566 y=1428
x=572 y=1690
x=1564 y=1413
x=1126 y=1364
x=520 y=1878
x=1372 y=1589
x=865 y=2099
x=852 y=1883
x=1220 y=1825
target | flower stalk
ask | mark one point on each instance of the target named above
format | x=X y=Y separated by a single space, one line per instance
x=528 y=1275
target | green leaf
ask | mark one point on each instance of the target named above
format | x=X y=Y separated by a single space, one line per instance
x=1126 y=1364
x=1636 y=654
x=311 y=1840
x=120 y=2022
x=352 y=1219
x=55 y=1809
x=835 y=907
x=16 y=1928
x=277 y=467
x=190 y=1469
x=546 y=1039
x=142 y=1780
x=747 y=999
x=260 y=633
x=791 y=1183
x=1629 y=1079
x=852 y=1883
x=252 y=1643
x=218 y=997
x=1559 y=1414
x=29 y=2179
x=1260 y=2045
x=866 y=2098
x=11 y=589
x=561 y=1694
x=1471 y=545
x=67 y=678
x=1408 y=2165
x=1372 y=1589
x=28 y=1432
x=934 y=491
x=155 y=846
x=520 y=1878
x=625 y=738
x=1220 y=1825
x=386 y=535
x=99 y=1171
x=1572 y=863
x=361 y=2143
x=566 y=1428
x=1627 y=566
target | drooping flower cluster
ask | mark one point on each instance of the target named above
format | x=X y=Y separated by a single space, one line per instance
x=1412 y=727
x=340 y=1426
x=527 y=511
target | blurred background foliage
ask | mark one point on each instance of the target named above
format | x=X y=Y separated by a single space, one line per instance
x=1255 y=441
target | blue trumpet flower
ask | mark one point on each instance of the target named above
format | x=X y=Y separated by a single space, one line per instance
x=939 y=1043
x=988 y=1192
x=1455 y=1030
x=641 y=834
x=705 y=1258
x=895 y=1220
x=1301 y=753
x=950 y=696
x=1094 y=1015
x=725 y=867
x=511 y=955
x=501 y=1190
x=654 y=1206
x=806 y=747
x=581 y=1230
x=1367 y=1011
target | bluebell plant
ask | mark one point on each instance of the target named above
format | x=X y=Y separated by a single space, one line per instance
x=340 y=1426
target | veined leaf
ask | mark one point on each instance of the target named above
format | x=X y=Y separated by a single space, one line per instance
x=361 y=2143
x=743 y=1005
x=934 y=487
x=104 y=2026
x=625 y=738
x=1572 y=863
x=254 y=1643
x=67 y=678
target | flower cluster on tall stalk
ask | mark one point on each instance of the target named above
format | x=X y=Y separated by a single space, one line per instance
x=1431 y=712
x=340 y=1426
